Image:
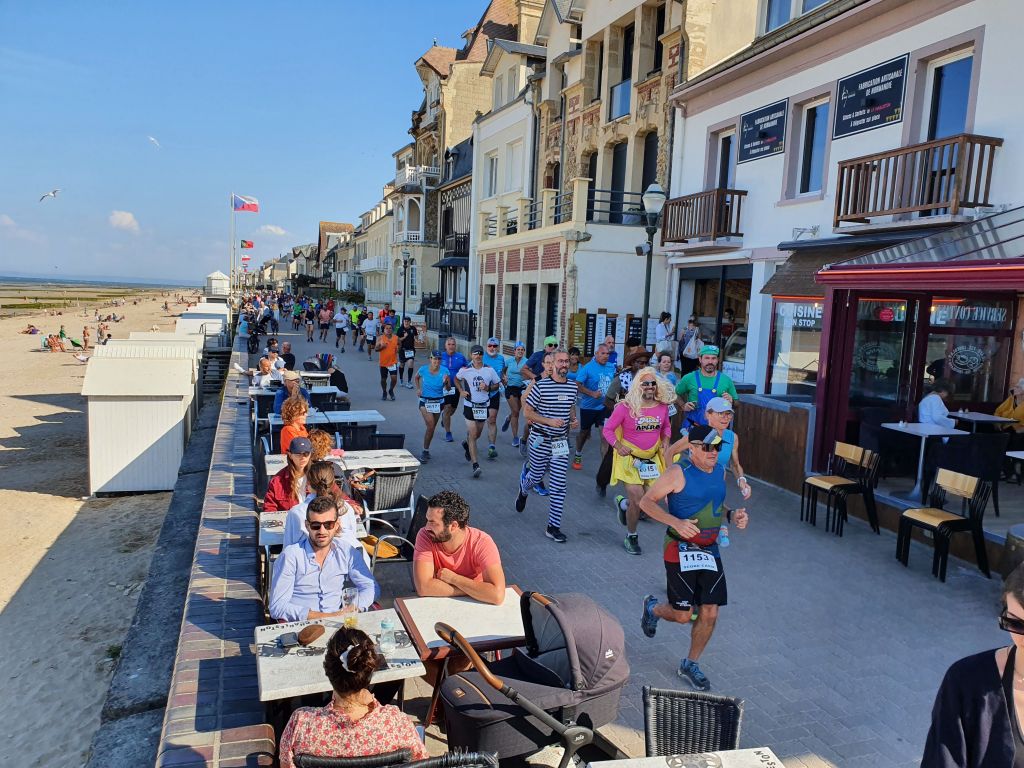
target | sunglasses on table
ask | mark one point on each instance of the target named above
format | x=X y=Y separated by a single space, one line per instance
x=1011 y=624
x=327 y=525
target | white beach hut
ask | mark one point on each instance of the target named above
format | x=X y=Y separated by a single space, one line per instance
x=217 y=284
x=138 y=422
x=170 y=347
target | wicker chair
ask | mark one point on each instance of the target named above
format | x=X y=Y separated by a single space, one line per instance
x=357 y=437
x=687 y=722
x=385 y=760
x=393 y=494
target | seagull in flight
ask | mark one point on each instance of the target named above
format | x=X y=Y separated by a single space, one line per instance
x=51 y=193
x=154 y=142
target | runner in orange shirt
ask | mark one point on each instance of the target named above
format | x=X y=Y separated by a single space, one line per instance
x=387 y=347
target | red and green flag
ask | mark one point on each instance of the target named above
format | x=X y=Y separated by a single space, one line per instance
x=247 y=243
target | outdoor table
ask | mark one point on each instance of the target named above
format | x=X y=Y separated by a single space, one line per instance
x=759 y=757
x=312 y=376
x=272 y=391
x=334 y=417
x=300 y=671
x=385 y=458
x=923 y=432
x=974 y=418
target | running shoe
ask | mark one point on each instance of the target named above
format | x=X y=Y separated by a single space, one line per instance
x=577 y=461
x=424 y=457
x=632 y=544
x=690 y=672
x=448 y=437
x=554 y=533
x=476 y=469
x=523 y=449
x=620 y=508
x=648 y=621
x=515 y=442
x=384 y=397
x=523 y=473
x=521 y=501
x=465 y=450
x=540 y=490
x=505 y=423
x=492 y=452
x=602 y=491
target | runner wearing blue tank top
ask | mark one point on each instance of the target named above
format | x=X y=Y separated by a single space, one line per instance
x=694 y=494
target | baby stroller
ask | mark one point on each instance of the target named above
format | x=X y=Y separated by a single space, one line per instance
x=563 y=685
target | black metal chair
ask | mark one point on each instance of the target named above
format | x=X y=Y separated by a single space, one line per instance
x=866 y=479
x=357 y=437
x=978 y=455
x=323 y=401
x=309 y=365
x=404 y=542
x=384 y=760
x=843 y=470
x=688 y=722
x=383 y=441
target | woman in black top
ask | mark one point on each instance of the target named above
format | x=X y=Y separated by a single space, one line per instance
x=976 y=720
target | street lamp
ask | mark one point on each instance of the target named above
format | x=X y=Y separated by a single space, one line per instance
x=654 y=200
x=405 y=280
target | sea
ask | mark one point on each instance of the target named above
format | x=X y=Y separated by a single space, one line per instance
x=13 y=281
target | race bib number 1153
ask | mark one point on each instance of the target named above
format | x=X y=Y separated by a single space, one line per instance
x=696 y=560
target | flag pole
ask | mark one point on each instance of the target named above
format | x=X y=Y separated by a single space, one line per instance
x=231 y=273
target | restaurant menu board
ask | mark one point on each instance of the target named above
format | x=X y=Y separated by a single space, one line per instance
x=588 y=346
x=871 y=98
x=578 y=330
x=635 y=325
x=763 y=132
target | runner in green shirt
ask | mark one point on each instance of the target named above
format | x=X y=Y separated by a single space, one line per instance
x=698 y=387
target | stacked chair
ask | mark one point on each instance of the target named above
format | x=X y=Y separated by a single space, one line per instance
x=852 y=471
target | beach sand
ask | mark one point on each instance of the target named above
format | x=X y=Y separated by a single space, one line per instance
x=73 y=568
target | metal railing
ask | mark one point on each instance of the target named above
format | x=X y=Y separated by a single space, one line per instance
x=408 y=236
x=456 y=245
x=533 y=214
x=373 y=264
x=447 y=321
x=615 y=206
x=563 y=207
x=930 y=178
x=703 y=216
x=621 y=95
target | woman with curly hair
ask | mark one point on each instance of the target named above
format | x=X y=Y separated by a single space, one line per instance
x=353 y=723
x=293 y=415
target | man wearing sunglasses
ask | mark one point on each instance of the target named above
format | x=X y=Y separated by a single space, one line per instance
x=309 y=576
x=693 y=490
x=534 y=367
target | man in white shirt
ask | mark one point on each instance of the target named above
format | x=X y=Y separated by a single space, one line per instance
x=932 y=408
x=340 y=328
x=370 y=326
x=276 y=363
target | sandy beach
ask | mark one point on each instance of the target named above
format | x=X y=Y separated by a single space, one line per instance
x=73 y=567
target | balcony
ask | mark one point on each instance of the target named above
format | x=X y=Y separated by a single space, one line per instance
x=407 y=236
x=416 y=174
x=706 y=222
x=920 y=185
x=456 y=245
x=446 y=321
x=620 y=100
x=373 y=264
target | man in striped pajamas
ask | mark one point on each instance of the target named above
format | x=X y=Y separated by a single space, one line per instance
x=551 y=409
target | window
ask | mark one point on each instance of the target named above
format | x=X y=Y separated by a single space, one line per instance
x=499 y=91
x=948 y=96
x=659 y=30
x=600 y=70
x=725 y=160
x=779 y=12
x=513 y=313
x=414 y=282
x=512 y=80
x=514 y=163
x=491 y=177
x=796 y=342
x=813 y=140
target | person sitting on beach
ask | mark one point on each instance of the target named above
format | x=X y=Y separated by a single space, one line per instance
x=288 y=487
x=109 y=337
x=353 y=723
x=309 y=576
x=321 y=481
x=30 y=329
x=55 y=343
x=292 y=384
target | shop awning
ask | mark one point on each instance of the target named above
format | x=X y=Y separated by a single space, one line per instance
x=453 y=261
x=987 y=254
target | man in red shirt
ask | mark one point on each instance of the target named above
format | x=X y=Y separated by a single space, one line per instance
x=452 y=559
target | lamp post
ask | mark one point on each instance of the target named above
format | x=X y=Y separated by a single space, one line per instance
x=654 y=200
x=405 y=280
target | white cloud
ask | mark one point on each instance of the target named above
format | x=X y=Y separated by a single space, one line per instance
x=272 y=229
x=10 y=228
x=124 y=220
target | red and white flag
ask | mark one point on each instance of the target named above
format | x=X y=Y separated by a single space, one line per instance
x=242 y=203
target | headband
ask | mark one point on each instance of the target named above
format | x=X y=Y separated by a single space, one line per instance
x=344 y=658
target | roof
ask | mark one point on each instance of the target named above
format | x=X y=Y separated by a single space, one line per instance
x=500 y=20
x=514 y=47
x=162 y=337
x=218 y=275
x=563 y=9
x=463 y=154
x=137 y=377
x=452 y=261
x=439 y=58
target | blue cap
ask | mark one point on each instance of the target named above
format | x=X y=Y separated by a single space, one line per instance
x=519 y=345
x=493 y=340
x=300 y=445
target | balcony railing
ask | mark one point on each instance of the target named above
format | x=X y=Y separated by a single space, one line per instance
x=618 y=105
x=373 y=264
x=408 y=236
x=936 y=177
x=614 y=206
x=456 y=245
x=413 y=174
x=451 y=322
x=703 y=216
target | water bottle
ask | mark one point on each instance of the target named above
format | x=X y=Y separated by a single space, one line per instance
x=723 y=536
x=387 y=637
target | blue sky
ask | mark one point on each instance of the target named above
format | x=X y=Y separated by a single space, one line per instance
x=298 y=104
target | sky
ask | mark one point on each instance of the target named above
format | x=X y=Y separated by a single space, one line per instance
x=298 y=104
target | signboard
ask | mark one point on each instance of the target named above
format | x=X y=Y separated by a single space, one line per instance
x=578 y=330
x=635 y=324
x=600 y=331
x=871 y=98
x=588 y=341
x=763 y=132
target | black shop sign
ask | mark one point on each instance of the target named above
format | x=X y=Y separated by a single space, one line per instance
x=763 y=132
x=871 y=99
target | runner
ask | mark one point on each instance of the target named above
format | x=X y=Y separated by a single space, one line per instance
x=593 y=380
x=431 y=382
x=407 y=335
x=310 y=319
x=324 y=315
x=551 y=409
x=340 y=328
x=494 y=359
x=477 y=382
x=547 y=365
x=354 y=323
x=454 y=361
x=514 y=384
x=639 y=430
x=535 y=364
x=387 y=346
x=296 y=316
x=370 y=328
x=694 y=492
x=698 y=387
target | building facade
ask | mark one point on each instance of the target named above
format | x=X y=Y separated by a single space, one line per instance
x=373 y=252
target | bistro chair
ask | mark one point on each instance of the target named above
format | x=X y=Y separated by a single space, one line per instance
x=311 y=366
x=404 y=543
x=383 y=441
x=690 y=722
x=323 y=401
x=357 y=437
x=866 y=479
x=385 y=760
x=844 y=469
x=392 y=494
x=944 y=524
x=979 y=455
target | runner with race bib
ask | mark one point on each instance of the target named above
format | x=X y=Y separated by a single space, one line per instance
x=431 y=382
x=694 y=491
x=477 y=382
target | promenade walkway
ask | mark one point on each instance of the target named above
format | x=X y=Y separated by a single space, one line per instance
x=836 y=648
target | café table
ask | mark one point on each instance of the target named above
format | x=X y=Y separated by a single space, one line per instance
x=334 y=417
x=757 y=757
x=974 y=418
x=315 y=376
x=272 y=391
x=384 y=458
x=922 y=431
x=299 y=671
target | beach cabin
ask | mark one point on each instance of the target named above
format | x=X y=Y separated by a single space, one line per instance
x=138 y=415
x=218 y=284
x=170 y=347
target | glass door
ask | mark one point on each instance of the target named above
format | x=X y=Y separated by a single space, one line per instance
x=883 y=347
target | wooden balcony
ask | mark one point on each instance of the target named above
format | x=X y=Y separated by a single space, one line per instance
x=704 y=219
x=456 y=245
x=447 y=321
x=932 y=179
